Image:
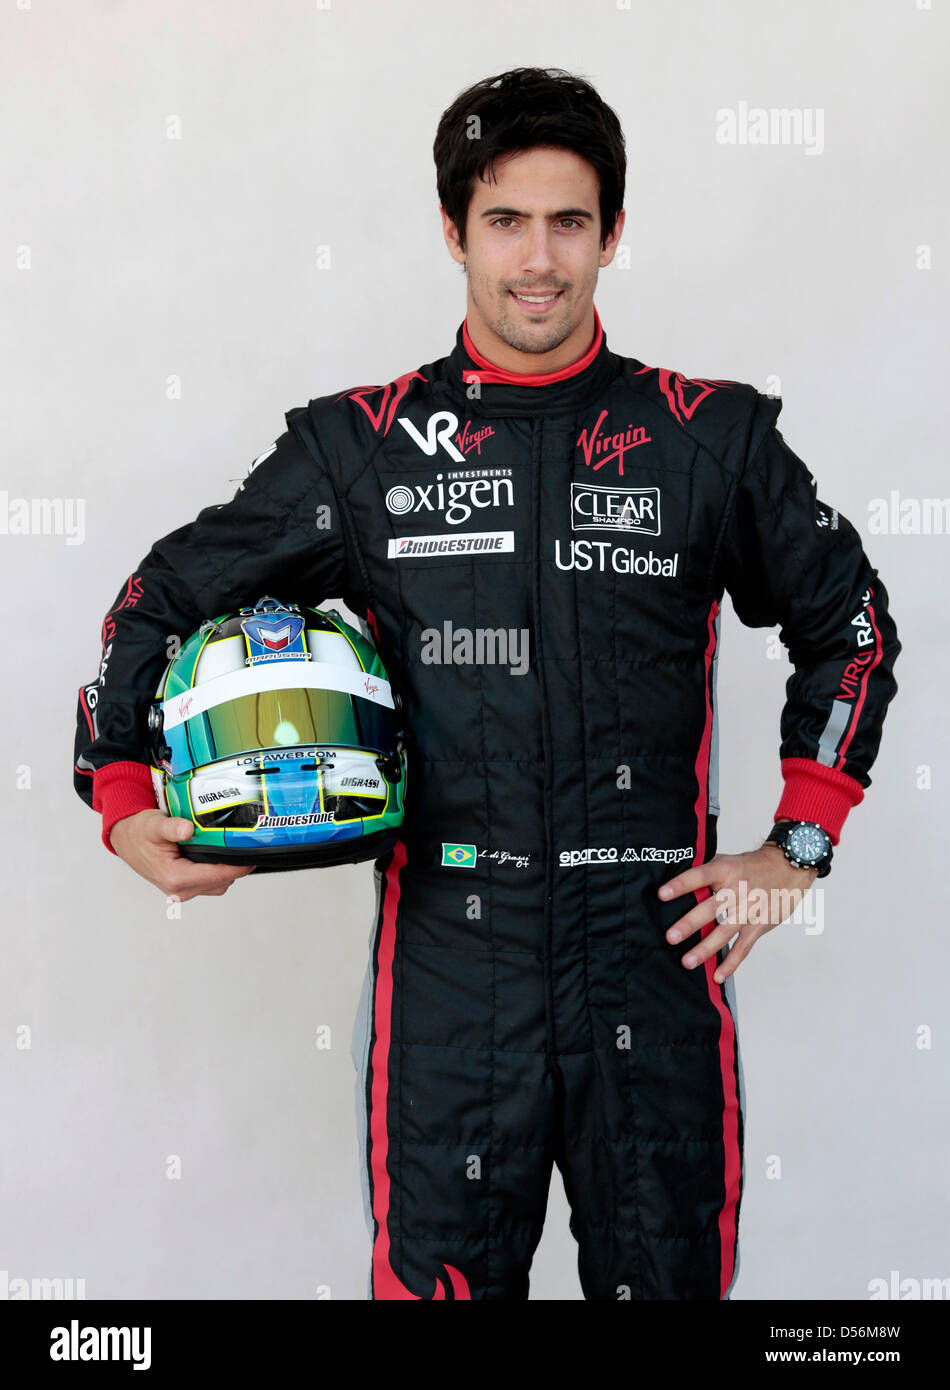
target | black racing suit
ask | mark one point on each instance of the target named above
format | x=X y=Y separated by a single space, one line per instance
x=542 y=561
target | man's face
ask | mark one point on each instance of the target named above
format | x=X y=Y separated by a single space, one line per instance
x=533 y=231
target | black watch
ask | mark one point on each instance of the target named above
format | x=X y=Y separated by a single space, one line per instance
x=804 y=843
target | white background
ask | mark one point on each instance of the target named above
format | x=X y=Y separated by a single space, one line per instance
x=304 y=127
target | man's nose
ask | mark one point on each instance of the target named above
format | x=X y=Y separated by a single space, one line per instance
x=538 y=256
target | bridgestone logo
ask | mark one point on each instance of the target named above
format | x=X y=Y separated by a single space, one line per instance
x=273 y=822
x=477 y=542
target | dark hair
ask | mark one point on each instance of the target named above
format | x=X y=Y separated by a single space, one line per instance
x=519 y=110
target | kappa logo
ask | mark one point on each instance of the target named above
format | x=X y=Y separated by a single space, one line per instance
x=610 y=447
x=628 y=509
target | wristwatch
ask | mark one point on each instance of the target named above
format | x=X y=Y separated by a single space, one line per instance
x=804 y=843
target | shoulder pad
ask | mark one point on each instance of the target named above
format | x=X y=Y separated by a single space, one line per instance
x=720 y=414
x=374 y=407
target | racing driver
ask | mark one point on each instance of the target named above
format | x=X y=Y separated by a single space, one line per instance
x=539 y=532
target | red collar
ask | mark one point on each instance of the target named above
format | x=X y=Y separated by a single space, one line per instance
x=487 y=372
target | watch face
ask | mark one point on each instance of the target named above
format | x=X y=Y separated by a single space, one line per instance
x=808 y=843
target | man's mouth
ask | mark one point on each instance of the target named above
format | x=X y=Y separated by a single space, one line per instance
x=537 y=303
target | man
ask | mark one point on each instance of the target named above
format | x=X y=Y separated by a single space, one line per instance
x=540 y=533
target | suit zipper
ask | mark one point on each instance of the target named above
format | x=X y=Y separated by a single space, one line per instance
x=536 y=465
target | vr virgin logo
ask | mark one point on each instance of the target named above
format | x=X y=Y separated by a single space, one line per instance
x=439 y=430
x=628 y=509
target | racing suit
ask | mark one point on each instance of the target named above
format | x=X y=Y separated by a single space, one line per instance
x=542 y=561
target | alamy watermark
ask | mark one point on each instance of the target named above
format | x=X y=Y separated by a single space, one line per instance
x=762 y=906
x=43 y=516
x=772 y=125
x=479 y=646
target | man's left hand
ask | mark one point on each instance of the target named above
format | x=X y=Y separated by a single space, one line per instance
x=765 y=869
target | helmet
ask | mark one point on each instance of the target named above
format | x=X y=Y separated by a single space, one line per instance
x=275 y=731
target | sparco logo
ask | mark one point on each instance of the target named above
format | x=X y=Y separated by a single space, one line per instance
x=454 y=496
x=570 y=858
x=615 y=509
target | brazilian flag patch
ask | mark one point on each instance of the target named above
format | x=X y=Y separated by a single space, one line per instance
x=459 y=856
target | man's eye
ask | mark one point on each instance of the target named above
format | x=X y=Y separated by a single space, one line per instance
x=574 y=221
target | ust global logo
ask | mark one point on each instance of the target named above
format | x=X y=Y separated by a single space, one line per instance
x=454 y=496
x=628 y=509
x=600 y=446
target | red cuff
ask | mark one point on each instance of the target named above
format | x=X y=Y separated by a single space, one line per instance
x=819 y=793
x=121 y=789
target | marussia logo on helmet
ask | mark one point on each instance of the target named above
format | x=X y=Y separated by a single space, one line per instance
x=275 y=639
x=611 y=446
x=272 y=635
x=271 y=639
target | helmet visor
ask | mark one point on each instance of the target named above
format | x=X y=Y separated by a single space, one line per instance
x=280 y=719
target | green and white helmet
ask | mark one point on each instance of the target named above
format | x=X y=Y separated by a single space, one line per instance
x=276 y=732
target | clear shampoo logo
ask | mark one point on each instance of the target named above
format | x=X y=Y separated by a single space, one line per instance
x=631 y=510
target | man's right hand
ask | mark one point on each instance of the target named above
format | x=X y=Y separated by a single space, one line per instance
x=148 y=842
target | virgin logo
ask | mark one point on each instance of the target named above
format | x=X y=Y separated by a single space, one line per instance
x=610 y=447
x=370 y=686
x=467 y=442
x=184 y=705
